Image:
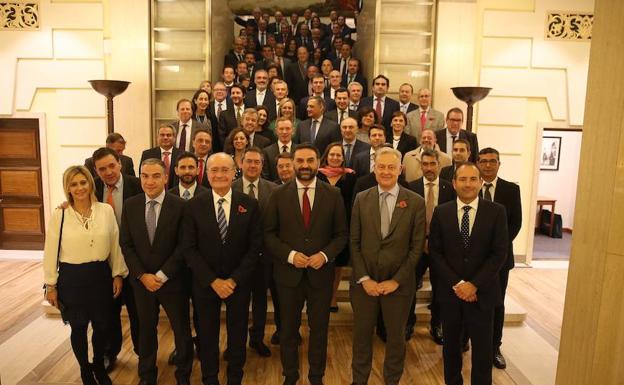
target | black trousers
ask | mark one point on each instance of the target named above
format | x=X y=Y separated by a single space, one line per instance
x=208 y=308
x=421 y=268
x=172 y=296
x=457 y=317
x=499 y=311
x=115 y=333
x=260 y=284
x=317 y=301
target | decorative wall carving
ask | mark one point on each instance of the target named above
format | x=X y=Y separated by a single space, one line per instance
x=569 y=26
x=19 y=15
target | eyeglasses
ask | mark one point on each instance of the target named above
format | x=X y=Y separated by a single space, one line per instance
x=493 y=162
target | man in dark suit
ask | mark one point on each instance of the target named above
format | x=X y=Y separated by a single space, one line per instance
x=342 y=111
x=318 y=89
x=186 y=169
x=222 y=239
x=115 y=188
x=435 y=191
x=285 y=173
x=317 y=129
x=318 y=41
x=185 y=126
x=257 y=15
x=304 y=39
x=401 y=141
x=230 y=118
x=305 y=229
x=341 y=63
x=468 y=245
x=250 y=124
x=461 y=153
x=220 y=104
x=351 y=146
x=117 y=143
x=274 y=27
x=354 y=74
x=383 y=105
x=284 y=144
x=387 y=237
x=453 y=131
x=364 y=162
x=355 y=95
x=260 y=189
x=296 y=75
x=150 y=240
x=507 y=194
x=261 y=95
x=165 y=151
x=202 y=142
x=406 y=106
x=236 y=54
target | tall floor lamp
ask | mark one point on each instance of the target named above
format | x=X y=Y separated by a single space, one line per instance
x=470 y=95
x=110 y=89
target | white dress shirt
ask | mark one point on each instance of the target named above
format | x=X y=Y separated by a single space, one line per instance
x=471 y=214
x=372 y=160
x=97 y=241
x=280 y=146
x=191 y=189
x=449 y=141
x=226 y=204
x=260 y=96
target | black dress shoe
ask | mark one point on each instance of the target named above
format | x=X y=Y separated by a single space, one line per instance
x=100 y=374
x=172 y=357
x=333 y=309
x=316 y=381
x=499 y=360
x=260 y=348
x=275 y=338
x=436 y=334
x=466 y=347
x=109 y=363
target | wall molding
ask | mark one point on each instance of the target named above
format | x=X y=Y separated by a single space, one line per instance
x=19 y=15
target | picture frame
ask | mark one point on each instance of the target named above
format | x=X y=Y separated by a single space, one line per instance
x=551 y=153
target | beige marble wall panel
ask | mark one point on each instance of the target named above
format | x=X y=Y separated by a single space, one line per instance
x=393 y=16
x=33 y=74
x=506 y=139
x=71 y=15
x=404 y=48
x=191 y=14
x=221 y=37
x=365 y=47
x=506 y=52
x=417 y=76
x=498 y=110
x=166 y=103
x=178 y=74
x=180 y=44
x=77 y=44
x=549 y=83
x=83 y=132
x=80 y=103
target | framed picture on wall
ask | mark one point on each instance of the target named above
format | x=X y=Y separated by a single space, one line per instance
x=551 y=152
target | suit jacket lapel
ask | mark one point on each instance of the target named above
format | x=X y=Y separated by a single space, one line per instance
x=373 y=201
x=397 y=213
x=478 y=222
x=140 y=213
x=319 y=193
x=295 y=203
x=233 y=216
x=163 y=217
x=211 y=218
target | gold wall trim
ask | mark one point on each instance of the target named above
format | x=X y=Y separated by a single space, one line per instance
x=571 y=26
x=19 y=15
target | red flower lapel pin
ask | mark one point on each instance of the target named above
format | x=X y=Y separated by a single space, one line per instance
x=241 y=209
x=402 y=204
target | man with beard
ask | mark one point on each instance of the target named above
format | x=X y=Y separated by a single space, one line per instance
x=411 y=160
x=304 y=252
x=186 y=172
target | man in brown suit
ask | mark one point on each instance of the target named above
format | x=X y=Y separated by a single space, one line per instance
x=387 y=237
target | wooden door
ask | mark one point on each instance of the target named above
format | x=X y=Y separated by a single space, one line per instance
x=21 y=194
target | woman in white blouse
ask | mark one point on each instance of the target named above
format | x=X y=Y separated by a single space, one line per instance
x=90 y=269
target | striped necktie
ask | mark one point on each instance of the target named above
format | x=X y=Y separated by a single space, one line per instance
x=221 y=220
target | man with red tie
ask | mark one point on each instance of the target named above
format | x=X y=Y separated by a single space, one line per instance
x=202 y=142
x=424 y=116
x=165 y=151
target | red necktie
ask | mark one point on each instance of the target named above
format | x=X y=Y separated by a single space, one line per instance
x=167 y=161
x=306 y=211
x=109 y=196
x=378 y=108
x=200 y=176
x=423 y=119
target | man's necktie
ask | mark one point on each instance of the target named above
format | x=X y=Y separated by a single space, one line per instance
x=150 y=220
x=284 y=148
x=262 y=39
x=341 y=116
x=167 y=162
x=186 y=195
x=219 y=110
x=182 y=145
x=109 y=196
x=454 y=138
x=429 y=205
x=200 y=175
x=465 y=227
x=238 y=114
x=306 y=209
x=350 y=79
x=221 y=219
x=313 y=130
x=423 y=120
x=488 y=195
x=378 y=108
x=385 y=214
x=251 y=192
x=348 y=155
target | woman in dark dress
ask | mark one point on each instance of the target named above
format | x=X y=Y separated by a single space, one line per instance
x=334 y=172
x=200 y=103
x=263 y=124
x=235 y=144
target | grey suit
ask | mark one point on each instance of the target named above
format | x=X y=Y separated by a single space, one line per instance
x=435 y=121
x=393 y=257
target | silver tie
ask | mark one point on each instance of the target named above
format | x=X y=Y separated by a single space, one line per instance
x=150 y=220
x=385 y=214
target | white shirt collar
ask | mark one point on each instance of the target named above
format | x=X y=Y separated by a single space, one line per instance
x=492 y=182
x=227 y=197
x=247 y=182
x=474 y=204
x=170 y=151
x=394 y=191
x=191 y=189
x=435 y=182
x=311 y=186
x=158 y=199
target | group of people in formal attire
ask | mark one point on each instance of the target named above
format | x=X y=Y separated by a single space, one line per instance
x=279 y=185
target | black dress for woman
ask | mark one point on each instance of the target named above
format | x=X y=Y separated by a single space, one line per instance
x=345 y=184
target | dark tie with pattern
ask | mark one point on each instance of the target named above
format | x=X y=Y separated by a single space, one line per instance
x=488 y=195
x=251 y=192
x=348 y=155
x=465 y=227
x=221 y=219
x=150 y=220
x=182 y=145
x=306 y=209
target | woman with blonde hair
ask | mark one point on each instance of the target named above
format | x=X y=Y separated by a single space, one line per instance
x=287 y=109
x=84 y=269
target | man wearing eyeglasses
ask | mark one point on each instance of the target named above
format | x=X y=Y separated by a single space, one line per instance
x=454 y=131
x=507 y=194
